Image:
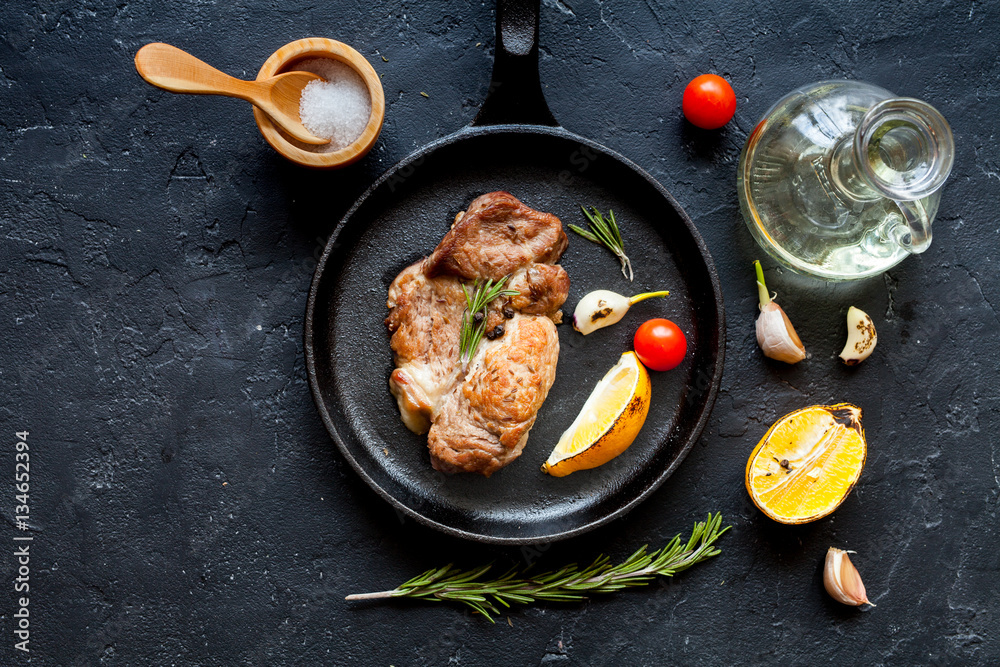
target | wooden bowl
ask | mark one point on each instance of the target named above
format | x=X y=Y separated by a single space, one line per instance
x=284 y=60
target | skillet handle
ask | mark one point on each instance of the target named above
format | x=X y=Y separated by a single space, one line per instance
x=515 y=94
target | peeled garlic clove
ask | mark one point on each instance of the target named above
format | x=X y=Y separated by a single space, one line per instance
x=861 y=337
x=602 y=308
x=599 y=309
x=776 y=335
x=841 y=579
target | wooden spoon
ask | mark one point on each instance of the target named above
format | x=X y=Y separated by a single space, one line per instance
x=169 y=68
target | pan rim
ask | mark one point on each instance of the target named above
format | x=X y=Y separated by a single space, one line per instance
x=710 y=396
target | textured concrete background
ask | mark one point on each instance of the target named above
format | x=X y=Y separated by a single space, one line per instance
x=187 y=504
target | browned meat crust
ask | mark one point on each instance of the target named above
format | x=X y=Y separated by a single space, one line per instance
x=478 y=417
x=496 y=236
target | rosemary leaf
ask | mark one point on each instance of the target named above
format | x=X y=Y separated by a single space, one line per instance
x=585 y=234
x=604 y=231
x=567 y=584
x=477 y=301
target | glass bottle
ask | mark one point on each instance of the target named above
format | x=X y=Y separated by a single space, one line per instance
x=841 y=179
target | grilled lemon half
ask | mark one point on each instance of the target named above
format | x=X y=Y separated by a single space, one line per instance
x=806 y=464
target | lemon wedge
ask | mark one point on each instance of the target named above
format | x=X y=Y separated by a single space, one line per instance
x=806 y=464
x=609 y=421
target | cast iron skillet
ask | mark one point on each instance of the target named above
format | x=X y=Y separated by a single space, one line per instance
x=514 y=144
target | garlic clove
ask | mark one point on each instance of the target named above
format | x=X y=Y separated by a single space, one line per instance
x=776 y=335
x=599 y=309
x=861 y=337
x=602 y=308
x=841 y=579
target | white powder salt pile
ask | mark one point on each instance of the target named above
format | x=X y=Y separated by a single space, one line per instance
x=337 y=108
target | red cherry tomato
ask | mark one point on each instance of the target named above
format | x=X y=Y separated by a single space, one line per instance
x=660 y=344
x=709 y=101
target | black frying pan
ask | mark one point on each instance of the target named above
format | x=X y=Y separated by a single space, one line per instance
x=514 y=144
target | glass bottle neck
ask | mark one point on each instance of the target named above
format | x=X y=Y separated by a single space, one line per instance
x=902 y=149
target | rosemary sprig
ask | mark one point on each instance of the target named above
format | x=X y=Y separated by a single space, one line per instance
x=605 y=232
x=476 y=303
x=569 y=583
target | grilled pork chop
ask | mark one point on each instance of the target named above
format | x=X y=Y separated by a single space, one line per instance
x=477 y=416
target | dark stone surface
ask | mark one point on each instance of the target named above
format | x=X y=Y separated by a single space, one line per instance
x=189 y=508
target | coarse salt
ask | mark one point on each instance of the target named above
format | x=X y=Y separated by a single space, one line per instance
x=337 y=108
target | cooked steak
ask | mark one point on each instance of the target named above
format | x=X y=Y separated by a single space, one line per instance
x=496 y=236
x=478 y=415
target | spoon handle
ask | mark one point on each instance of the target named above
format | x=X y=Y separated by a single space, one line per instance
x=169 y=68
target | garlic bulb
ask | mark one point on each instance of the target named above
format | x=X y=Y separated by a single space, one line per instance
x=861 y=337
x=841 y=579
x=602 y=308
x=775 y=334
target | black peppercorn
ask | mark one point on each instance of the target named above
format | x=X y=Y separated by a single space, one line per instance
x=508 y=312
x=478 y=317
